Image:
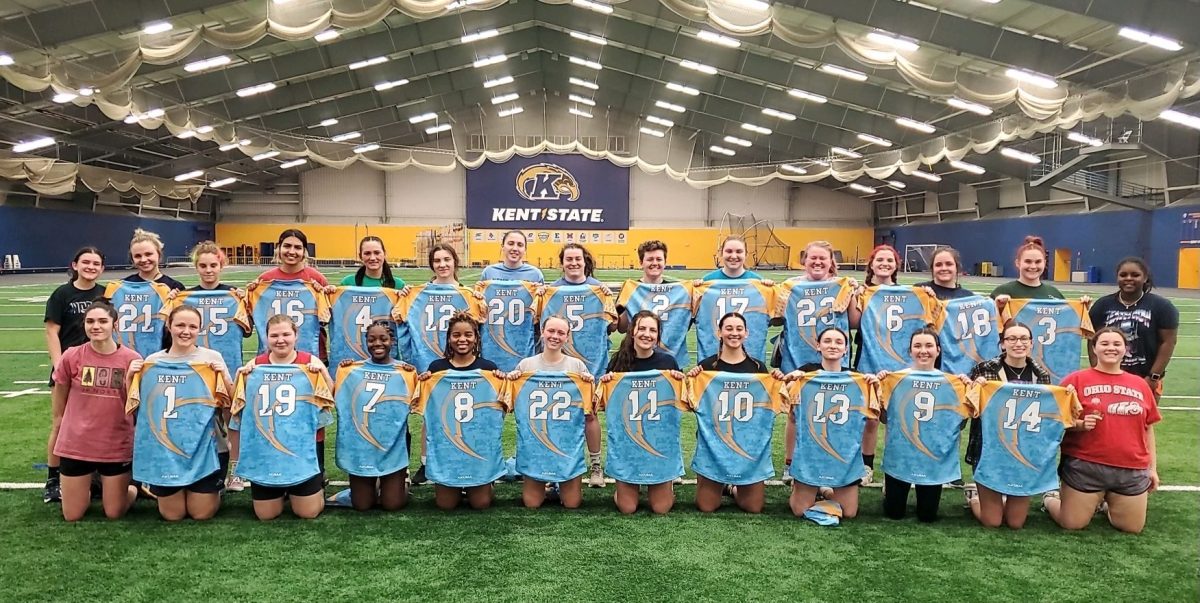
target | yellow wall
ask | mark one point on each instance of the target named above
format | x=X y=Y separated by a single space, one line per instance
x=690 y=247
x=1062 y=265
x=1189 y=268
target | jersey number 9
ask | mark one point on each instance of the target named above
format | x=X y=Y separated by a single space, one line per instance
x=282 y=403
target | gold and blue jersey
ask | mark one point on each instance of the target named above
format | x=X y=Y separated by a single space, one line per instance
x=807 y=308
x=510 y=324
x=968 y=332
x=549 y=408
x=302 y=301
x=1059 y=327
x=1022 y=427
x=224 y=321
x=175 y=439
x=643 y=411
x=373 y=403
x=751 y=298
x=925 y=411
x=424 y=315
x=464 y=418
x=280 y=407
x=672 y=303
x=353 y=309
x=588 y=312
x=831 y=410
x=140 y=322
x=890 y=316
x=735 y=421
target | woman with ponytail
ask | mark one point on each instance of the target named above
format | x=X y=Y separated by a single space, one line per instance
x=375 y=270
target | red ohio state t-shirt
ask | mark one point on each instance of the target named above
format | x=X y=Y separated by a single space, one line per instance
x=1127 y=406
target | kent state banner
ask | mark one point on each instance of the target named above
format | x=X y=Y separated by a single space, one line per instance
x=553 y=192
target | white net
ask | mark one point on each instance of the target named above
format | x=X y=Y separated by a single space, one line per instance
x=919 y=258
x=763 y=248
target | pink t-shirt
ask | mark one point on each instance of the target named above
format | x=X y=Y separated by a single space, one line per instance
x=307 y=274
x=94 y=424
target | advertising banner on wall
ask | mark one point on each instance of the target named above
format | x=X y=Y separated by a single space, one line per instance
x=552 y=192
x=1190 y=235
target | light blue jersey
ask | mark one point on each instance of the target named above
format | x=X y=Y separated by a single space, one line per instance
x=831 y=411
x=175 y=440
x=807 y=308
x=1059 y=328
x=140 y=321
x=510 y=328
x=890 y=316
x=224 y=321
x=926 y=410
x=643 y=410
x=968 y=332
x=280 y=407
x=302 y=301
x=735 y=419
x=750 y=298
x=373 y=403
x=1023 y=425
x=425 y=315
x=549 y=408
x=672 y=303
x=352 y=310
x=524 y=272
x=464 y=417
x=588 y=312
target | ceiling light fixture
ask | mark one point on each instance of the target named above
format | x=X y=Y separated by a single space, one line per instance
x=756 y=129
x=1033 y=79
x=509 y=112
x=741 y=142
x=1138 y=35
x=701 y=67
x=422 y=117
x=33 y=145
x=1020 y=155
x=845 y=152
x=204 y=129
x=1181 y=118
x=883 y=142
x=684 y=89
x=436 y=129
x=652 y=132
x=504 y=98
x=778 y=114
x=389 y=85
x=862 y=188
x=157 y=27
x=578 y=35
x=913 y=124
x=345 y=136
x=584 y=83
x=1084 y=139
x=367 y=62
x=717 y=38
x=585 y=63
x=579 y=112
x=897 y=184
x=795 y=169
x=808 y=96
x=479 y=35
x=967 y=167
x=891 y=41
x=575 y=98
x=654 y=119
x=843 y=72
x=327 y=35
x=85 y=91
x=669 y=106
x=500 y=81
x=596 y=6
x=293 y=163
x=265 y=155
x=722 y=150
x=259 y=89
x=930 y=176
x=332 y=121
x=186 y=134
x=189 y=175
x=366 y=148
x=222 y=182
x=975 y=108
x=64 y=97
x=208 y=63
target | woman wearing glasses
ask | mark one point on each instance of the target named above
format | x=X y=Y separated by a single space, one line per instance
x=1013 y=365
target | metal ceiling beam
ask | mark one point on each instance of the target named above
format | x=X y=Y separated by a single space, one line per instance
x=1171 y=18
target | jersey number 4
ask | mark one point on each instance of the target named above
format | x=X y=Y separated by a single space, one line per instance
x=1031 y=419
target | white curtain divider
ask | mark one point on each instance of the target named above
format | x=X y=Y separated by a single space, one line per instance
x=54 y=177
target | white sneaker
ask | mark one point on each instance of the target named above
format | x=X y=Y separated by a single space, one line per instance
x=868 y=476
x=596 y=477
x=970 y=493
x=235 y=484
x=787 y=478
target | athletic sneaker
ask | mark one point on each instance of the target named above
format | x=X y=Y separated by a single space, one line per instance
x=553 y=496
x=868 y=476
x=970 y=493
x=1102 y=508
x=787 y=478
x=52 y=491
x=596 y=477
x=825 y=492
x=235 y=483
x=1047 y=496
x=418 y=478
x=677 y=481
x=957 y=484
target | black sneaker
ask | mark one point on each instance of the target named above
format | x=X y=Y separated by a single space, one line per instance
x=52 y=492
x=418 y=478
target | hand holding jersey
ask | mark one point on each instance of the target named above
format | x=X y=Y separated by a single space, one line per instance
x=302 y=301
x=140 y=321
x=1059 y=330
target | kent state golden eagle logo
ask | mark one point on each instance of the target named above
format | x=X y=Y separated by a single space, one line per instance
x=547 y=182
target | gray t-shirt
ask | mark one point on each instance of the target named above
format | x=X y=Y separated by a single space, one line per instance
x=207 y=356
x=569 y=364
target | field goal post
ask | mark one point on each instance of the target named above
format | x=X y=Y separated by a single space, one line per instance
x=764 y=249
x=919 y=258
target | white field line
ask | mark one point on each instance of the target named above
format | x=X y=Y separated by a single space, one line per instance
x=1181 y=397
x=686 y=482
x=22 y=329
x=1192 y=408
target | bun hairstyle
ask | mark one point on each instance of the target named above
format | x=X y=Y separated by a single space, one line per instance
x=145 y=236
x=204 y=247
x=1032 y=242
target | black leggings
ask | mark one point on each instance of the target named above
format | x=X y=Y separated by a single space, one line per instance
x=895 y=499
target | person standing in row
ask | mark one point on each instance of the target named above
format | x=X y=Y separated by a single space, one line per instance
x=512 y=265
x=1150 y=322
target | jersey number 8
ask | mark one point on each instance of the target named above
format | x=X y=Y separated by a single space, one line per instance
x=464 y=407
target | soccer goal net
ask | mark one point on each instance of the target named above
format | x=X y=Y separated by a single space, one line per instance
x=919 y=258
x=764 y=249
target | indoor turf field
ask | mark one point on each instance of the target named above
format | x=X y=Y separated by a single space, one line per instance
x=510 y=553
